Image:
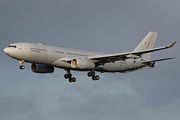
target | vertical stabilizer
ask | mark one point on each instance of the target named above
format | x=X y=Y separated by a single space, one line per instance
x=147 y=43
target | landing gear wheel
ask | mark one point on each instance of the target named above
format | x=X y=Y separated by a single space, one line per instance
x=21 y=67
x=69 y=75
x=70 y=80
x=89 y=74
x=74 y=79
x=94 y=78
x=97 y=77
x=92 y=73
x=66 y=76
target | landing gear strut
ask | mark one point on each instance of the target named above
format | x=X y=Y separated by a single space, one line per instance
x=92 y=74
x=69 y=75
x=22 y=66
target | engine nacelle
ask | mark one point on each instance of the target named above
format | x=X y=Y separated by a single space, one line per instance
x=41 y=68
x=82 y=64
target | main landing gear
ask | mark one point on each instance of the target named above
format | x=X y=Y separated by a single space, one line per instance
x=92 y=74
x=69 y=75
x=22 y=66
x=73 y=79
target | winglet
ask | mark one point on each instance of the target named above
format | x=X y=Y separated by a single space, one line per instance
x=172 y=44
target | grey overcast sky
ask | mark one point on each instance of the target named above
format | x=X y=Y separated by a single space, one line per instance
x=111 y=26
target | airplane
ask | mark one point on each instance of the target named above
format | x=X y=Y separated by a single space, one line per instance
x=44 y=58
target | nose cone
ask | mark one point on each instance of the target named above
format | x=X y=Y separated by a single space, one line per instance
x=6 y=50
x=10 y=52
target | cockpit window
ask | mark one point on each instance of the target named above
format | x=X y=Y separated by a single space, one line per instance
x=13 y=46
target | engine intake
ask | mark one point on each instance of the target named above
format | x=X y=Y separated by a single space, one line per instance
x=82 y=64
x=41 y=68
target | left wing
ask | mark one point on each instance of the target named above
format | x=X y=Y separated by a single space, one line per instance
x=122 y=56
x=150 y=61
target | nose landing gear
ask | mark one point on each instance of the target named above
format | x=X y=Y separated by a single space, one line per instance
x=22 y=66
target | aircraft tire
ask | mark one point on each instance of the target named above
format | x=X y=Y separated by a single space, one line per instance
x=70 y=80
x=89 y=74
x=73 y=79
x=92 y=73
x=94 y=78
x=21 y=67
x=66 y=76
x=97 y=77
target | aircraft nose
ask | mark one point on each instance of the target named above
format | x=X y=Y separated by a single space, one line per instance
x=6 y=50
x=10 y=52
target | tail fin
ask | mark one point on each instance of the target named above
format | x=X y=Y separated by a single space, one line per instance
x=147 y=43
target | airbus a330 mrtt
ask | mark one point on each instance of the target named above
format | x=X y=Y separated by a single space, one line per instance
x=44 y=58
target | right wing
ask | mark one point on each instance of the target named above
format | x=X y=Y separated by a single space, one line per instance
x=122 y=56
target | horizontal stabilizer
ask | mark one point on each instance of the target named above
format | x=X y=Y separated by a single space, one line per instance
x=145 y=62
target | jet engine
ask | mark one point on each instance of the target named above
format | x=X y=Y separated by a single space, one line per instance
x=41 y=68
x=82 y=64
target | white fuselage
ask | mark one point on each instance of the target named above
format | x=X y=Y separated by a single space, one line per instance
x=44 y=58
x=54 y=56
